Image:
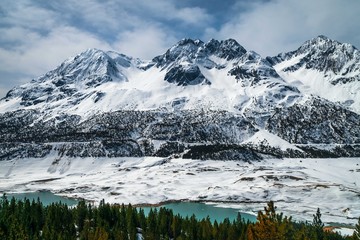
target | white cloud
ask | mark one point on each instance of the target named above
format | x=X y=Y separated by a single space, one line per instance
x=197 y=16
x=282 y=25
x=119 y=15
x=145 y=43
x=36 y=36
x=167 y=10
x=16 y=36
x=41 y=54
x=101 y=15
x=34 y=54
x=25 y=14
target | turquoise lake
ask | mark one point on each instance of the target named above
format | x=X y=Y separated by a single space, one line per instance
x=184 y=209
x=202 y=210
x=45 y=197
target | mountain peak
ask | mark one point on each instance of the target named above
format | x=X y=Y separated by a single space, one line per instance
x=328 y=68
x=324 y=44
x=83 y=72
x=322 y=37
x=197 y=97
x=189 y=50
x=187 y=41
x=183 y=61
x=228 y=49
x=189 y=62
x=184 y=49
x=91 y=63
x=323 y=54
x=90 y=53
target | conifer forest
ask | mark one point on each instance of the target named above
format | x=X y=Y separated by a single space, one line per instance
x=25 y=219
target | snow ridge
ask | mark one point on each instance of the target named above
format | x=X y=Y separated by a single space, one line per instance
x=204 y=100
x=220 y=75
x=105 y=124
x=324 y=67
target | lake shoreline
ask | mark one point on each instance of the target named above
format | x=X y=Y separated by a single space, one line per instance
x=297 y=186
x=329 y=226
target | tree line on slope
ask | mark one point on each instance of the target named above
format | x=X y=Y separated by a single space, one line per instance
x=25 y=219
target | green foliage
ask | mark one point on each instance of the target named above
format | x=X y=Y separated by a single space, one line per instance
x=33 y=221
x=271 y=225
x=357 y=231
x=318 y=226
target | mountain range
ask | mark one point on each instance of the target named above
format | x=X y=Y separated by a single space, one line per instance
x=213 y=100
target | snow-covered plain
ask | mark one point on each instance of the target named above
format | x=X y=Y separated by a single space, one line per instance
x=298 y=186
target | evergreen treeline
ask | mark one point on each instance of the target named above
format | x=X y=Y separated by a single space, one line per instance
x=31 y=220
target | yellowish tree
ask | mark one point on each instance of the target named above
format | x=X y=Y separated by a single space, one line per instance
x=270 y=225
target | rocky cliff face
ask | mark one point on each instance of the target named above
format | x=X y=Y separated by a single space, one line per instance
x=211 y=100
x=340 y=62
x=323 y=67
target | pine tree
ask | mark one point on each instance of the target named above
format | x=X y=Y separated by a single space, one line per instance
x=176 y=226
x=193 y=227
x=142 y=219
x=215 y=232
x=37 y=217
x=100 y=234
x=270 y=225
x=131 y=222
x=22 y=220
x=318 y=225
x=16 y=230
x=356 y=234
x=151 y=230
x=122 y=223
x=206 y=228
x=81 y=212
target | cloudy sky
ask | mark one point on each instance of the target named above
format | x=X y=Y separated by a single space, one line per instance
x=37 y=35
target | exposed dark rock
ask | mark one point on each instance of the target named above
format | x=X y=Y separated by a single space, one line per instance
x=186 y=75
x=273 y=105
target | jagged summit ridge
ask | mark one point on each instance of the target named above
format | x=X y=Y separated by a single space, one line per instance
x=223 y=73
x=323 y=67
x=196 y=50
x=92 y=62
x=227 y=49
x=181 y=62
x=340 y=61
x=74 y=80
x=197 y=100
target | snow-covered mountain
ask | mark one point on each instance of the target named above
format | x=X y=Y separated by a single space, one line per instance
x=198 y=100
x=323 y=67
x=190 y=75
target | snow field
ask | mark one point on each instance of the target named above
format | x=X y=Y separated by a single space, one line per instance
x=298 y=186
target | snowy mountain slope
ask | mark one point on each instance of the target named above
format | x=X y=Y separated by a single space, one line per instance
x=105 y=125
x=197 y=100
x=217 y=75
x=323 y=67
x=74 y=82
